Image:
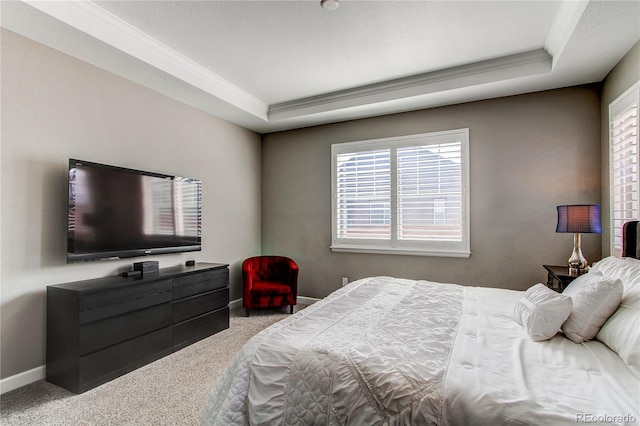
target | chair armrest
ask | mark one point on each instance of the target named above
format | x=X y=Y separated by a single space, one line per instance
x=292 y=277
x=247 y=284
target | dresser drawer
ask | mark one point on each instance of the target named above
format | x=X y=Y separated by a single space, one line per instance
x=107 y=332
x=197 y=305
x=200 y=327
x=191 y=284
x=102 y=366
x=115 y=301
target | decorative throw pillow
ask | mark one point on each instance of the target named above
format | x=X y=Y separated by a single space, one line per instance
x=595 y=297
x=542 y=311
x=621 y=332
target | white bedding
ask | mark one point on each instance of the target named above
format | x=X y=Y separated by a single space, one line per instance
x=392 y=351
x=499 y=375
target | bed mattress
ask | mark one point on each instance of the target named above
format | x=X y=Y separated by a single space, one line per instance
x=392 y=351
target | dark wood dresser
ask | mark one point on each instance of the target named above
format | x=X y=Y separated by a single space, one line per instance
x=102 y=328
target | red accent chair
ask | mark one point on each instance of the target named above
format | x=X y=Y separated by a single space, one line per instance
x=269 y=281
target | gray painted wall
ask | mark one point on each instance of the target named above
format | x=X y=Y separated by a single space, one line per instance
x=621 y=78
x=55 y=107
x=528 y=154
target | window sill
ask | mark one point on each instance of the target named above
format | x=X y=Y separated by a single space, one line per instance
x=399 y=251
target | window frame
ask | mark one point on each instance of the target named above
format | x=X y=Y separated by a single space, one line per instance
x=616 y=108
x=460 y=248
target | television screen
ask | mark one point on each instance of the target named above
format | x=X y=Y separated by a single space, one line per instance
x=116 y=212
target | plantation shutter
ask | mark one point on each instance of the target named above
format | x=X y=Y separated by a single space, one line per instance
x=430 y=192
x=623 y=164
x=402 y=195
x=364 y=195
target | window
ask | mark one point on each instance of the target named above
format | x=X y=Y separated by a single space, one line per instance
x=623 y=163
x=403 y=195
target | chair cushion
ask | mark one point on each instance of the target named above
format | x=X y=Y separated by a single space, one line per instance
x=263 y=288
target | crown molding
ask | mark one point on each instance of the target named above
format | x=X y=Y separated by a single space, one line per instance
x=100 y=24
x=498 y=69
x=108 y=28
x=564 y=25
x=208 y=91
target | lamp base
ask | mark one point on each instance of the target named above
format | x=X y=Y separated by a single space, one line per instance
x=577 y=262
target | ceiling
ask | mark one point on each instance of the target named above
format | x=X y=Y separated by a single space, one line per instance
x=278 y=65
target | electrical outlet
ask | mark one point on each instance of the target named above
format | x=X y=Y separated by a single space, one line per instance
x=345 y=281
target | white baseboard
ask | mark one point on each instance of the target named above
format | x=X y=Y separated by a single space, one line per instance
x=235 y=304
x=22 y=379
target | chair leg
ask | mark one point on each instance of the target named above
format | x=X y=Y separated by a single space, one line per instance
x=247 y=314
x=290 y=309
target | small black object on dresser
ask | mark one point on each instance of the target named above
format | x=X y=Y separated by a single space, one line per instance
x=102 y=328
x=148 y=267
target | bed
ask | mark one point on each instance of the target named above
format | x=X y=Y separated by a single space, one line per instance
x=391 y=351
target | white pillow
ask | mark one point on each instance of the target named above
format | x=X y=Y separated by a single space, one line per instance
x=621 y=332
x=595 y=297
x=542 y=311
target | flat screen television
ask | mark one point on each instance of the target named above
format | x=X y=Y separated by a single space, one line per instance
x=115 y=213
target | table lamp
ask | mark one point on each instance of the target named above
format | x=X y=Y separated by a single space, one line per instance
x=579 y=219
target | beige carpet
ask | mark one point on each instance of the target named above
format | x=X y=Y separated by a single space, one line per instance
x=170 y=391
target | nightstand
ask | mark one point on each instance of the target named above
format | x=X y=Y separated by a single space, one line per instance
x=559 y=277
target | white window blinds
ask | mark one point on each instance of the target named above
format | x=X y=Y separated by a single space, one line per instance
x=624 y=159
x=364 y=195
x=404 y=195
x=430 y=192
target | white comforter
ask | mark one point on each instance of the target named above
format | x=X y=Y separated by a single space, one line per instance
x=392 y=351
